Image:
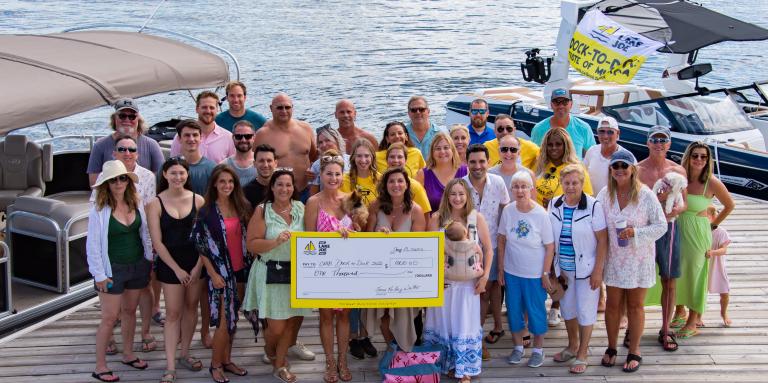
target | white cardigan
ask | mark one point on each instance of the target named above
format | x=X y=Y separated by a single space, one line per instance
x=96 y=245
x=583 y=236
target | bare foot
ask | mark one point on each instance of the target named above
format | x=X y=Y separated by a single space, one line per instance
x=206 y=340
x=727 y=322
x=623 y=323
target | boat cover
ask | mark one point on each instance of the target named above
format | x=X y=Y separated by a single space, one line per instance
x=682 y=25
x=45 y=77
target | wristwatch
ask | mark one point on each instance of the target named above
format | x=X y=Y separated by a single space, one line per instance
x=545 y=274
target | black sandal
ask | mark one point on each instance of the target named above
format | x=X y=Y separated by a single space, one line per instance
x=668 y=342
x=136 y=363
x=611 y=352
x=630 y=358
x=626 y=339
x=231 y=368
x=100 y=375
x=494 y=336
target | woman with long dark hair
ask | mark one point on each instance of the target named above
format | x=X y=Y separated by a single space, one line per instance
x=219 y=235
x=171 y=215
x=395 y=132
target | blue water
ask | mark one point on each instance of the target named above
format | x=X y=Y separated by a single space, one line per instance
x=377 y=53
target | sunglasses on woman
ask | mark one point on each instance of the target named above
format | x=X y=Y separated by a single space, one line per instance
x=619 y=165
x=331 y=159
x=121 y=178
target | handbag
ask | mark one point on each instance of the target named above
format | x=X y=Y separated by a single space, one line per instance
x=462 y=261
x=420 y=365
x=278 y=272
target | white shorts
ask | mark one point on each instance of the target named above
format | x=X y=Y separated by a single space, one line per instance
x=579 y=301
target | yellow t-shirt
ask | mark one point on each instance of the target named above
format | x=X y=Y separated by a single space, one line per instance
x=419 y=195
x=548 y=184
x=413 y=164
x=365 y=188
x=528 y=153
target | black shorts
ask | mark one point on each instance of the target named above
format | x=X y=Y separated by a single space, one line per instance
x=128 y=277
x=241 y=276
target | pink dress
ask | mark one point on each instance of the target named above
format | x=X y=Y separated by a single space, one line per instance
x=718 y=278
x=328 y=222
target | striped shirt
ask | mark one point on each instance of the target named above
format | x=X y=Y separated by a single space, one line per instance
x=567 y=253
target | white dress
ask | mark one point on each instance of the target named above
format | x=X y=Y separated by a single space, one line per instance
x=633 y=266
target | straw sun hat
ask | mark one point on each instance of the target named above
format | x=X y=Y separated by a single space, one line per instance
x=112 y=169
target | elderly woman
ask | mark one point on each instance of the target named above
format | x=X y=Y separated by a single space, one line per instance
x=268 y=234
x=557 y=151
x=460 y=136
x=327 y=139
x=635 y=221
x=119 y=251
x=696 y=235
x=526 y=248
x=395 y=132
x=219 y=236
x=443 y=165
x=456 y=325
x=581 y=245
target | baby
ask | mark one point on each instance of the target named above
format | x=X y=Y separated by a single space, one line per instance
x=463 y=257
x=718 y=278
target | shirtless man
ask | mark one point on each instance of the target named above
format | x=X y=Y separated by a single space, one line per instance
x=293 y=140
x=345 y=115
x=651 y=170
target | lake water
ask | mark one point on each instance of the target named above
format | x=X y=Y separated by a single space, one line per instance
x=378 y=53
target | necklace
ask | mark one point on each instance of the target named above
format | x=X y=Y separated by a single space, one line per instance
x=275 y=208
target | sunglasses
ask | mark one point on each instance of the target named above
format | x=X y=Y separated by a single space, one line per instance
x=508 y=128
x=284 y=170
x=417 y=110
x=510 y=149
x=322 y=128
x=332 y=159
x=606 y=132
x=246 y=136
x=697 y=156
x=123 y=149
x=550 y=174
x=561 y=101
x=478 y=111
x=121 y=178
x=283 y=107
x=657 y=140
x=124 y=116
x=619 y=165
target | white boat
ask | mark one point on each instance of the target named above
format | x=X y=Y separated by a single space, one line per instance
x=44 y=187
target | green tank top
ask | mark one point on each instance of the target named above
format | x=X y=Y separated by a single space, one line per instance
x=698 y=203
x=124 y=244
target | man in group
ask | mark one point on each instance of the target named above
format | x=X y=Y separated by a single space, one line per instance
x=580 y=132
x=421 y=130
x=504 y=125
x=597 y=158
x=649 y=171
x=236 y=96
x=125 y=121
x=242 y=161
x=265 y=163
x=490 y=195
x=478 y=115
x=215 y=142
x=346 y=115
x=293 y=140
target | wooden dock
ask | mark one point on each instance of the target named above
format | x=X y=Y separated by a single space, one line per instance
x=63 y=351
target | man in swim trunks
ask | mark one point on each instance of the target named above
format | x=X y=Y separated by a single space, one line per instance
x=345 y=114
x=293 y=140
x=651 y=170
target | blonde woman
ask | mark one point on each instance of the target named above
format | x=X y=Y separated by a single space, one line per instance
x=443 y=165
x=460 y=136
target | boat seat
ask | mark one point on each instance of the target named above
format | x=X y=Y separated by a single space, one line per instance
x=25 y=167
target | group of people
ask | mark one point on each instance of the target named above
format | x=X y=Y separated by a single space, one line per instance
x=210 y=227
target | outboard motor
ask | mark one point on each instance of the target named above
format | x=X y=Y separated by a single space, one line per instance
x=536 y=68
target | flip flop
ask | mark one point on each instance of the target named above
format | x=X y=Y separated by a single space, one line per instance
x=678 y=322
x=190 y=363
x=136 y=363
x=100 y=376
x=112 y=348
x=169 y=376
x=148 y=344
x=234 y=369
x=159 y=319
x=630 y=358
x=576 y=363
x=564 y=355
x=494 y=336
x=686 y=333
x=611 y=352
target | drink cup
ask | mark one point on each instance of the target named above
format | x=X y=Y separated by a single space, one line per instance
x=621 y=224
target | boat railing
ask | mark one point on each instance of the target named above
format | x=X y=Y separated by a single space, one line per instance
x=90 y=140
x=5 y=266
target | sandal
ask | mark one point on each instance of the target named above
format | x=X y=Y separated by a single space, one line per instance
x=625 y=343
x=159 y=319
x=685 y=333
x=137 y=364
x=220 y=369
x=331 y=371
x=169 y=376
x=668 y=342
x=100 y=376
x=344 y=374
x=148 y=344
x=678 y=322
x=611 y=353
x=112 y=348
x=527 y=341
x=283 y=375
x=563 y=356
x=632 y=358
x=574 y=369
x=494 y=336
x=190 y=363
x=234 y=369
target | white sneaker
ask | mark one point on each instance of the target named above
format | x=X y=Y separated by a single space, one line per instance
x=553 y=317
x=300 y=351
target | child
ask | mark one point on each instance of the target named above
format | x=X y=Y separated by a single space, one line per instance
x=463 y=256
x=718 y=278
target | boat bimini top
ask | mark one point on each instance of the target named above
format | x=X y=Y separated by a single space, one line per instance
x=46 y=77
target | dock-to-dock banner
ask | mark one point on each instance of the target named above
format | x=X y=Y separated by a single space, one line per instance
x=603 y=49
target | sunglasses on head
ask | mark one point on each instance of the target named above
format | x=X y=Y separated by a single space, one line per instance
x=123 y=149
x=510 y=149
x=284 y=170
x=658 y=140
x=128 y=116
x=619 y=165
x=478 y=111
x=246 y=136
x=121 y=178
x=331 y=159
x=417 y=110
x=508 y=128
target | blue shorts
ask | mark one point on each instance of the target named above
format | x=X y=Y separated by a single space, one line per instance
x=668 y=252
x=494 y=274
x=525 y=295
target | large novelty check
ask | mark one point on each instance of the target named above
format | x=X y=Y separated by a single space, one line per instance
x=366 y=270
